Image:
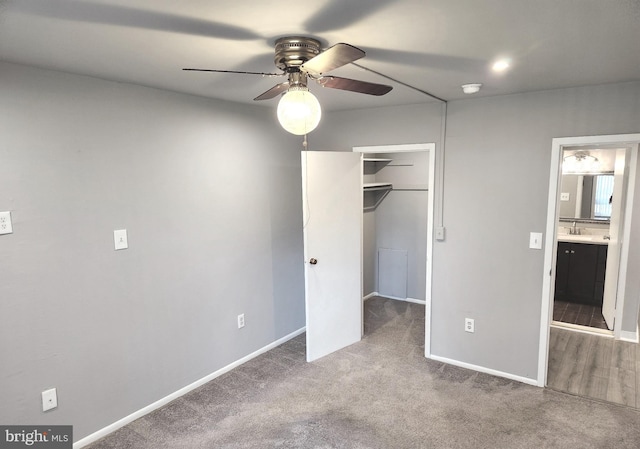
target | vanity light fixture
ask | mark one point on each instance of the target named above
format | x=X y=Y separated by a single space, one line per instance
x=580 y=162
x=471 y=88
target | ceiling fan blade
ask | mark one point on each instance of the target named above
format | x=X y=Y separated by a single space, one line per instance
x=130 y=16
x=273 y=92
x=338 y=15
x=426 y=60
x=235 y=71
x=362 y=87
x=332 y=58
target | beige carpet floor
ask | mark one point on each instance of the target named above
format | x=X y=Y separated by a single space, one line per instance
x=379 y=393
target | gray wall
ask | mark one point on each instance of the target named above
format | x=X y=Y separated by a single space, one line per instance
x=210 y=194
x=398 y=222
x=569 y=184
x=401 y=218
x=343 y=130
x=496 y=183
x=401 y=224
x=369 y=253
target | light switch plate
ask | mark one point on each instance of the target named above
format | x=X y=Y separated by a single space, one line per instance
x=49 y=399
x=440 y=233
x=5 y=223
x=120 y=239
x=565 y=196
x=535 y=240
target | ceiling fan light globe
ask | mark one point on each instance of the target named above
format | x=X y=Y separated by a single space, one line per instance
x=299 y=112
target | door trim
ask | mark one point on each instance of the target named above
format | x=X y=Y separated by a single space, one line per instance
x=631 y=141
x=431 y=149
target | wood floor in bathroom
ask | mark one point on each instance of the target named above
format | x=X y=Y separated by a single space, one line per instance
x=594 y=366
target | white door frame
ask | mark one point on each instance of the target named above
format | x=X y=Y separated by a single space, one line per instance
x=631 y=141
x=616 y=242
x=431 y=149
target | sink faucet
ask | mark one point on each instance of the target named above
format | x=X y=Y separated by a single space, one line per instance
x=574 y=230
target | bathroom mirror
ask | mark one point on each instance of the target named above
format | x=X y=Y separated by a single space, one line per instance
x=586 y=197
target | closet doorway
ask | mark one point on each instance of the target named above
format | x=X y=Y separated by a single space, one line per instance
x=334 y=208
x=395 y=221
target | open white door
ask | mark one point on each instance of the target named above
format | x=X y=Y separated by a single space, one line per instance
x=332 y=210
x=615 y=232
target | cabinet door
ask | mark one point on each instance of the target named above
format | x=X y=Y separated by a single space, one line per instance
x=600 y=274
x=582 y=273
x=562 y=270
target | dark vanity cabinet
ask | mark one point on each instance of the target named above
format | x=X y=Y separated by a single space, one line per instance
x=580 y=269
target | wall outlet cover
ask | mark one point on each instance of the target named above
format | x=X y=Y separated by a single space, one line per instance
x=5 y=223
x=469 y=325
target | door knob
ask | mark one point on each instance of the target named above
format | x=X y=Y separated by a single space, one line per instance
x=313 y=261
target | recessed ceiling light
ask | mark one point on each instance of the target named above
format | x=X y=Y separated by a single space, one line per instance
x=501 y=65
x=471 y=88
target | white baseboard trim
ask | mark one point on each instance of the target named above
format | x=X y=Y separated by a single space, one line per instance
x=413 y=300
x=582 y=329
x=369 y=296
x=482 y=369
x=631 y=337
x=181 y=392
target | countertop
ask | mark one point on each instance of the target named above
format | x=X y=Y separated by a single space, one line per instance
x=585 y=238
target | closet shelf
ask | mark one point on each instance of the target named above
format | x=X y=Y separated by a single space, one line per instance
x=374 y=159
x=414 y=187
x=377 y=186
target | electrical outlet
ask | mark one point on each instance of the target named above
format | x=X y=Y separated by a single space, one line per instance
x=5 y=223
x=469 y=325
x=241 y=321
x=49 y=399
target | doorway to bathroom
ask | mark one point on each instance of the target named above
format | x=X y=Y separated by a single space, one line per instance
x=586 y=260
x=590 y=212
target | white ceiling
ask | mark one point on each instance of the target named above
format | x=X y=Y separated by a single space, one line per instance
x=432 y=45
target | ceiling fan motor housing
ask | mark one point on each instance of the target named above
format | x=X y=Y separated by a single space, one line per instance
x=292 y=52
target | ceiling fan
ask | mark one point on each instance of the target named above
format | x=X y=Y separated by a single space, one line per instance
x=301 y=58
